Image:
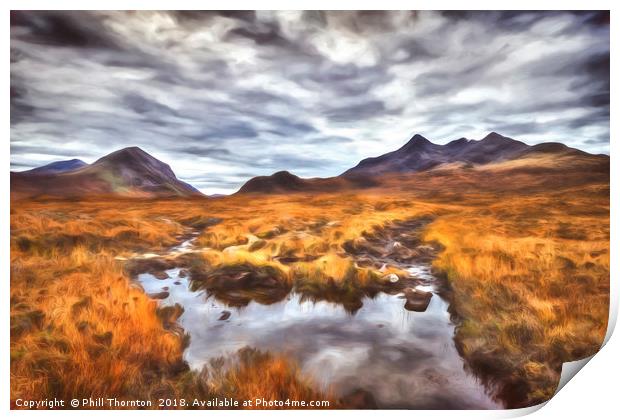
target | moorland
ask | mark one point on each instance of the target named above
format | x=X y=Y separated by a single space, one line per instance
x=522 y=245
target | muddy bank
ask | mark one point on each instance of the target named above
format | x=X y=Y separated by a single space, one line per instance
x=399 y=245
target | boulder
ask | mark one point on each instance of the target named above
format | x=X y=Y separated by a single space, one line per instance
x=160 y=275
x=159 y=295
x=392 y=278
x=417 y=300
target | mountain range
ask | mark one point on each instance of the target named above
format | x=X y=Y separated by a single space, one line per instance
x=417 y=155
x=133 y=172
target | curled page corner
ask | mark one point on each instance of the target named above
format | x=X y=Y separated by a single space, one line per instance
x=569 y=370
x=520 y=412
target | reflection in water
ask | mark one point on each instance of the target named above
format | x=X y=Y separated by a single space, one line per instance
x=405 y=359
x=242 y=298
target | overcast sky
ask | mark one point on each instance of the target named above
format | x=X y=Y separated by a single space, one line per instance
x=224 y=96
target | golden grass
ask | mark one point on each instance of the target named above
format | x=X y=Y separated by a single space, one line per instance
x=527 y=257
x=531 y=282
x=80 y=327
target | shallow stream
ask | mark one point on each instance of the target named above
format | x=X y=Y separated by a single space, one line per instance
x=403 y=358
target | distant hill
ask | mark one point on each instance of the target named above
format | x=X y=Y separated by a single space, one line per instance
x=418 y=155
x=554 y=148
x=279 y=181
x=57 y=167
x=130 y=172
x=283 y=182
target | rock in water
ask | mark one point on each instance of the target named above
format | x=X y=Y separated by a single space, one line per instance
x=417 y=300
x=392 y=278
x=160 y=295
x=160 y=275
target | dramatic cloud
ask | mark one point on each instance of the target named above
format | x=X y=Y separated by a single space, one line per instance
x=223 y=96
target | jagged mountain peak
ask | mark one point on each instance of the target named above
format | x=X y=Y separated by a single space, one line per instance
x=419 y=138
x=418 y=141
x=420 y=154
x=495 y=137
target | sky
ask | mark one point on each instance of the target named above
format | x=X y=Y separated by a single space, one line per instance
x=225 y=96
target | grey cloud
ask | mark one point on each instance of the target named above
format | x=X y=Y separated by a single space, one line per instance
x=236 y=130
x=332 y=139
x=18 y=149
x=598 y=141
x=356 y=112
x=291 y=161
x=346 y=80
x=600 y=118
x=267 y=35
x=287 y=126
x=203 y=150
x=68 y=28
x=434 y=82
x=143 y=105
x=192 y=16
x=210 y=182
x=357 y=21
x=258 y=97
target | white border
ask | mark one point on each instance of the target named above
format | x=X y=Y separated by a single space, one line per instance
x=591 y=395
